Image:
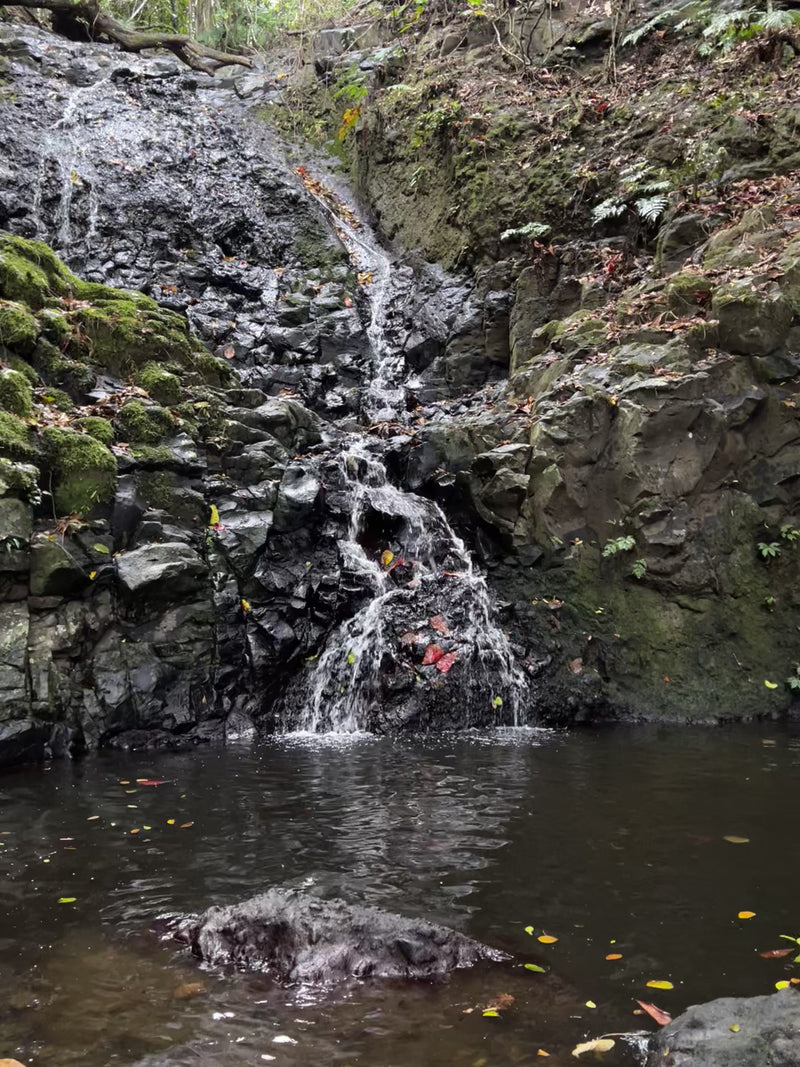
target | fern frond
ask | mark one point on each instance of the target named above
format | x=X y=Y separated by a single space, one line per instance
x=531 y=230
x=651 y=208
x=661 y=186
x=780 y=20
x=640 y=32
x=608 y=209
x=728 y=20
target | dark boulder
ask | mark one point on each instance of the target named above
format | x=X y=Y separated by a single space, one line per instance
x=733 y=1032
x=300 y=938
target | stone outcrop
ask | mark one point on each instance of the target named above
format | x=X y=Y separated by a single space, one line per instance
x=731 y=1032
x=297 y=938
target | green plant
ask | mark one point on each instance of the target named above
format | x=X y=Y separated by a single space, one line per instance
x=642 y=190
x=793 y=681
x=531 y=231
x=619 y=544
x=790 y=533
x=639 y=568
x=436 y=121
x=769 y=549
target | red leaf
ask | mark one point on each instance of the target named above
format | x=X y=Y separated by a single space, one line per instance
x=151 y=781
x=776 y=953
x=446 y=662
x=661 y=1017
x=399 y=562
x=439 y=624
x=432 y=655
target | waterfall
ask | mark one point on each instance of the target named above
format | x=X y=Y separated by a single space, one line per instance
x=427 y=611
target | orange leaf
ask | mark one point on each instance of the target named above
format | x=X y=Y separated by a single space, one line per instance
x=440 y=625
x=547 y=939
x=661 y=1017
x=776 y=953
x=432 y=655
x=614 y=956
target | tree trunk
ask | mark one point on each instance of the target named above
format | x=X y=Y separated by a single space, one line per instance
x=96 y=23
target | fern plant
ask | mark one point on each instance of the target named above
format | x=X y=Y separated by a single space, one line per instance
x=642 y=190
x=531 y=231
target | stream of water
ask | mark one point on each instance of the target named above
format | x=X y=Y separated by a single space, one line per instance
x=613 y=842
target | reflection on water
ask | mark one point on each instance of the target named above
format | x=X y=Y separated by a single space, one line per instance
x=612 y=842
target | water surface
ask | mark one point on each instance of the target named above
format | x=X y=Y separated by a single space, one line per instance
x=613 y=842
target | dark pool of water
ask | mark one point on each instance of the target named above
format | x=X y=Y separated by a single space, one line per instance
x=612 y=842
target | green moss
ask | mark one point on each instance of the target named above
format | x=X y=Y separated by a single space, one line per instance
x=155 y=455
x=23 y=367
x=144 y=425
x=159 y=383
x=57 y=398
x=214 y=371
x=18 y=329
x=19 y=478
x=100 y=429
x=84 y=470
x=15 y=437
x=156 y=489
x=54 y=325
x=16 y=394
x=60 y=370
x=31 y=273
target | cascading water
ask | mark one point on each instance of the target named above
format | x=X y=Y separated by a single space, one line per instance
x=427 y=610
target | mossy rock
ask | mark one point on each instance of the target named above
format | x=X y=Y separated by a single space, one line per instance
x=16 y=394
x=31 y=273
x=23 y=367
x=54 y=325
x=751 y=322
x=100 y=429
x=85 y=471
x=15 y=437
x=147 y=425
x=59 y=370
x=57 y=398
x=18 y=328
x=213 y=371
x=159 y=383
x=19 y=479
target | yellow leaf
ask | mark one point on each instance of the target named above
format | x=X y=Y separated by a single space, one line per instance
x=734 y=840
x=660 y=984
x=490 y=1013
x=770 y=685
x=541 y=1052
x=71 y=900
x=535 y=968
x=746 y=914
x=735 y=1028
x=529 y=930
x=386 y=557
x=600 y=1044
x=92 y=575
x=781 y=985
x=214 y=520
x=245 y=605
x=170 y=822
x=147 y=827
x=590 y=1004
x=547 y=939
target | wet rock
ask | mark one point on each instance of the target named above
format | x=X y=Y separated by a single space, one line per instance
x=298 y=938
x=54 y=570
x=732 y=1032
x=170 y=569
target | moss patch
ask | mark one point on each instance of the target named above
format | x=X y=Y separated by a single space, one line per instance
x=15 y=437
x=16 y=394
x=159 y=383
x=18 y=329
x=84 y=470
x=147 y=425
x=100 y=429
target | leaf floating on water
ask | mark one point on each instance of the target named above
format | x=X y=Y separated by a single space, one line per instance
x=770 y=685
x=135 y=831
x=614 y=956
x=661 y=1017
x=446 y=662
x=535 y=968
x=497 y=702
x=93 y=818
x=189 y=989
x=440 y=625
x=746 y=915
x=490 y=1013
x=71 y=900
x=124 y=781
x=386 y=557
x=781 y=985
x=590 y=1004
x=776 y=953
x=735 y=1028
x=734 y=840
x=245 y=605
x=170 y=822
x=547 y=939
x=659 y=983
x=541 y=1052
x=186 y=825
x=600 y=1045
x=151 y=781
x=351 y=658
x=529 y=930
x=432 y=655
x=214 y=517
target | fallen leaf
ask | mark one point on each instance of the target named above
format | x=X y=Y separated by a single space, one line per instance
x=547 y=939
x=245 y=605
x=735 y=1028
x=501 y=1002
x=432 y=655
x=535 y=968
x=734 y=840
x=770 y=685
x=189 y=989
x=409 y=638
x=746 y=914
x=446 y=662
x=93 y=818
x=497 y=702
x=659 y=983
x=776 y=953
x=386 y=557
x=490 y=1013
x=124 y=781
x=590 y=1004
x=229 y=352
x=529 y=930
x=134 y=831
x=661 y=1017
x=614 y=956
x=781 y=985
x=600 y=1044
x=541 y=1052
x=575 y=665
x=151 y=781
x=440 y=625
x=186 y=825
x=71 y=900
x=170 y=822
x=214 y=519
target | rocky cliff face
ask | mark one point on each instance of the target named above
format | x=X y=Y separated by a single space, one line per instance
x=226 y=424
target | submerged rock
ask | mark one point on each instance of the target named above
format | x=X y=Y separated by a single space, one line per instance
x=300 y=938
x=733 y=1032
